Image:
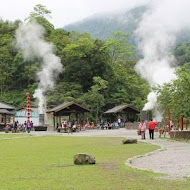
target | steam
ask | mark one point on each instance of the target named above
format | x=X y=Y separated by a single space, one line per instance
x=152 y=99
x=157 y=36
x=30 y=40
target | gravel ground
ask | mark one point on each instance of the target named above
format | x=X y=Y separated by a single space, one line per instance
x=172 y=159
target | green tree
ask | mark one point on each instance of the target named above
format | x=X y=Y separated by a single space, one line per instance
x=84 y=59
x=95 y=98
x=41 y=14
x=175 y=95
x=119 y=48
x=182 y=53
x=7 y=52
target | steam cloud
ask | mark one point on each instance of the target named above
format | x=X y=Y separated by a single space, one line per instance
x=157 y=35
x=30 y=40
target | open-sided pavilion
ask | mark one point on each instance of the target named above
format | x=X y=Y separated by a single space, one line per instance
x=70 y=110
x=127 y=112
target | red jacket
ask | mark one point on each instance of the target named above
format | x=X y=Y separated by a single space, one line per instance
x=152 y=125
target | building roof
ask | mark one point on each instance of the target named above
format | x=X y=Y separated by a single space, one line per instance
x=67 y=105
x=6 y=106
x=24 y=108
x=120 y=108
x=4 y=111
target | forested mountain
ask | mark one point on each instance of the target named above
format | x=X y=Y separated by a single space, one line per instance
x=97 y=73
x=103 y=26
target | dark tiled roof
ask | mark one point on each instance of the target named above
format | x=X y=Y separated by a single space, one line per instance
x=6 y=112
x=6 y=106
x=121 y=108
x=65 y=105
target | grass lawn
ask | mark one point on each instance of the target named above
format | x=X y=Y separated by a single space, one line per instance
x=12 y=135
x=46 y=163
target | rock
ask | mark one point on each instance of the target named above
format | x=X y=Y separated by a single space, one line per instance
x=82 y=158
x=130 y=141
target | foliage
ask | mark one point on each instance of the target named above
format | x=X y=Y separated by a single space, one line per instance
x=40 y=14
x=175 y=95
x=104 y=25
x=64 y=92
x=95 y=97
x=182 y=53
x=118 y=47
x=7 y=52
x=84 y=59
x=99 y=74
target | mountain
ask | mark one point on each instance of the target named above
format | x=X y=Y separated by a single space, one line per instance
x=102 y=26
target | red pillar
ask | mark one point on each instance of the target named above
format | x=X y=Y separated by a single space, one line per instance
x=28 y=108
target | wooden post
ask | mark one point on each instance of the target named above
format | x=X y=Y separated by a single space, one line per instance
x=54 y=125
x=181 y=119
x=169 y=127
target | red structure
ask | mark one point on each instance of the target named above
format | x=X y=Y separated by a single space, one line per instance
x=28 y=107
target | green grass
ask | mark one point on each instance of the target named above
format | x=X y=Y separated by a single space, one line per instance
x=46 y=163
x=12 y=135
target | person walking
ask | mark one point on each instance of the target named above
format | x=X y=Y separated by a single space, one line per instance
x=151 y=126
x=142 y=127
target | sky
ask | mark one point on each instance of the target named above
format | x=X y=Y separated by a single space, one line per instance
x=63 y=11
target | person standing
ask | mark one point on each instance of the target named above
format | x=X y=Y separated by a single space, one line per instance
x=31 y=125
x=25 y=126
x=119 y=122
x=142 y=127
x=28 y=126
x=15 y=126
x=151 y=126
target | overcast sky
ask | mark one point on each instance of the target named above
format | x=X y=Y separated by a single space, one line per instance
x=63 y=11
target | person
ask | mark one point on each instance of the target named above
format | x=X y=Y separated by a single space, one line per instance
x=31 y=125
x=101 y=124
x=119 y=122
x=116 y=125
x=92 y=125
x=171 y=124
x=64 y=125
x=15 y=126
x=142 y=127
x=86 y=126
x=7 y=128
x=28 y=126
x=151 y=126
x=25 y=126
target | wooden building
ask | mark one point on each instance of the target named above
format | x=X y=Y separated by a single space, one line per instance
x=126 y=112
x=67 y=110
x=6 y=115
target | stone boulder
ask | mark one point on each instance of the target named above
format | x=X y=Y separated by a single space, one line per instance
x=83 y=158
x=130 y=141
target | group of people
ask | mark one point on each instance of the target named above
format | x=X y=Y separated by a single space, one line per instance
x=151 y=127
x=17 y=127
x=73 y=126
x=107 y=125
x=68 y=126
